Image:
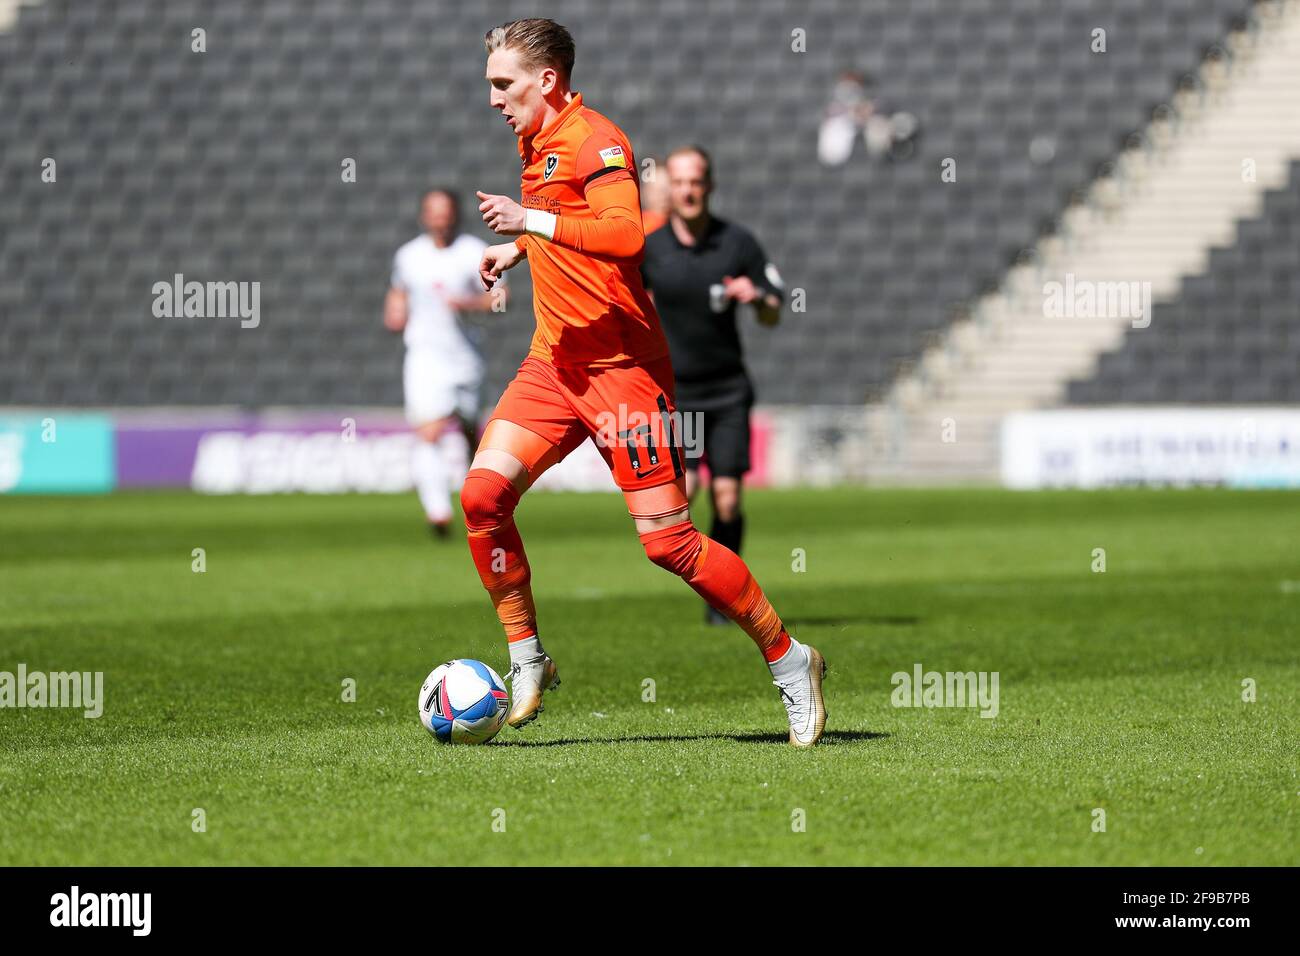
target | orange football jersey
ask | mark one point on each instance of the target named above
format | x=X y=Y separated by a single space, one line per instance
x=591 y=310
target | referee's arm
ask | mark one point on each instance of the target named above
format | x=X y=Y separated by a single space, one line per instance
x=767 y=283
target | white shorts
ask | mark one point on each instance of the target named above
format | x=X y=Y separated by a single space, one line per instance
x=432 y=390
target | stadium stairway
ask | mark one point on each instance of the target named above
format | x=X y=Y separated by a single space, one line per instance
x=1171 y=197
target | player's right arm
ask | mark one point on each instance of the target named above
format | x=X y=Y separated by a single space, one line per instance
x=396 y=304
x=497 y=259
x=395 y=309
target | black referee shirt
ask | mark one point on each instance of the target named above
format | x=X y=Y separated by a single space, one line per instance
x=705 y=343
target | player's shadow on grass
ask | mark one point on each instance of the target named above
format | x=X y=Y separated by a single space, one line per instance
x=830 y=738
x=892 y=620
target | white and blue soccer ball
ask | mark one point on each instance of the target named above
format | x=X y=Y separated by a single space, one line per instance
x=463 y=702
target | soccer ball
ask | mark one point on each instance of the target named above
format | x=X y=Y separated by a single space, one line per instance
x=463 y=702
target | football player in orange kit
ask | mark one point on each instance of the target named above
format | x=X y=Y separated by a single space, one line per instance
x=598 y=368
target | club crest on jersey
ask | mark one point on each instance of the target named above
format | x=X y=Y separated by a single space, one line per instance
x=613 y=156
x=552 y=161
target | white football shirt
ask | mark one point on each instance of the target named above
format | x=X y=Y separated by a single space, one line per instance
x=430 y=276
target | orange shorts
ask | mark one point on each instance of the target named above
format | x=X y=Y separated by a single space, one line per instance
x=627 y=410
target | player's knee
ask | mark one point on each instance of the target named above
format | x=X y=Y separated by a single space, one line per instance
x=435 y=428
x=675 y=549
x=488 y=499
x=726 y=498
x=727 y=510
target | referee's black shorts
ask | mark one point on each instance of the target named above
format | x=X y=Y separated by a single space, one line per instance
x=725 y=437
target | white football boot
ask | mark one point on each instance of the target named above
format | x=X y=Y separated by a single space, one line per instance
x=528 y=679
x=801 y=693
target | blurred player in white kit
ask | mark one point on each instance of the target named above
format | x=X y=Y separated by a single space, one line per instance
x=435 y=279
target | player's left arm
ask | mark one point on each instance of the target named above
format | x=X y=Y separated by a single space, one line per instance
x=616 y=231
x=759 y=283
x=611 y=193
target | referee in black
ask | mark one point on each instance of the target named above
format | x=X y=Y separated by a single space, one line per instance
x=699 y=267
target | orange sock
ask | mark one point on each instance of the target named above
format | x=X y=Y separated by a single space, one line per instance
x=489 y=501
x=719 y=576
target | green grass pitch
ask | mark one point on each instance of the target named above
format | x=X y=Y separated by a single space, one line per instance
x=1119 y=691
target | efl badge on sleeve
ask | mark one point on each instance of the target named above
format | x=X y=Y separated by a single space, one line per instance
x=614 y=157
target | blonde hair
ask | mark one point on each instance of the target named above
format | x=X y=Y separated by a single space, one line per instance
x=539 y=42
